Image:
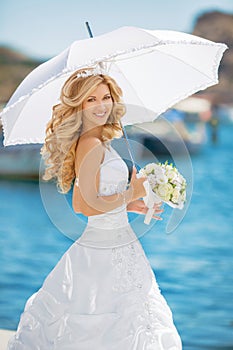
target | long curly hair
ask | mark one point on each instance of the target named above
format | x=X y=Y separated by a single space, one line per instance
x=64 y=128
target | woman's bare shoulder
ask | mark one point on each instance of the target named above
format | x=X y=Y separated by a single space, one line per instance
x=86 y=144
x=89 y=145
x=89 y=142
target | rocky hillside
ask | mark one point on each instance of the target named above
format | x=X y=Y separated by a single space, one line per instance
x=218 y=26
x=14 y=66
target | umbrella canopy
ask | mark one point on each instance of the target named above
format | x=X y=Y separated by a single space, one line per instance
x=155 y=69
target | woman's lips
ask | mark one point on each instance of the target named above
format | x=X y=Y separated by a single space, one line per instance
x=100 y=115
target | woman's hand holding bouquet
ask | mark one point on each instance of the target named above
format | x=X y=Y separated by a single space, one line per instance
x=164 y=183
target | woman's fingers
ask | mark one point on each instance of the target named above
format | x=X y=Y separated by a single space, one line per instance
x=157 y=205
x=157 y=217
x=159 y=211
x=156 y=211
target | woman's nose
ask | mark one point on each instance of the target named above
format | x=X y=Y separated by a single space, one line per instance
x=100 y=105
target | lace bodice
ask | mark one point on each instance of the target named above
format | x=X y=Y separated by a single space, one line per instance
x=105 y=229
x=113 y=173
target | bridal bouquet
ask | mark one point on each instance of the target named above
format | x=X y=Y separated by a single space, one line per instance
x=165 y=184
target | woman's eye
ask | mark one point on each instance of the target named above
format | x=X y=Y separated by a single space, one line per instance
x=107 y=97
x=91 y=100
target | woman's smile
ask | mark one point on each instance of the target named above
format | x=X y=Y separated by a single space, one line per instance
x=100 y=115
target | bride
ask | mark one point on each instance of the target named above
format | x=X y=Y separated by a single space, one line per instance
x=102 y=294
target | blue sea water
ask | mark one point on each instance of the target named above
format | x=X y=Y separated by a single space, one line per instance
x=193 y=264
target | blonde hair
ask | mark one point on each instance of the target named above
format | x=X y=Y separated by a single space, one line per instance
x=65 y=126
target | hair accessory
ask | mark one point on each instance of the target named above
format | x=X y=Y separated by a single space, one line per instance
x=93 y=71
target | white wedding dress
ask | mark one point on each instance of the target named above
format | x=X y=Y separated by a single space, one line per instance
x=102 y=294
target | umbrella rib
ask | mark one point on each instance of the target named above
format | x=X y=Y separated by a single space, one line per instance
x=196 y=69
x=174 y=57
x=129 y=83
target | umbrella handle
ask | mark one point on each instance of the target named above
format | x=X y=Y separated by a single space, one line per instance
x=128 y=144
x=89 y=30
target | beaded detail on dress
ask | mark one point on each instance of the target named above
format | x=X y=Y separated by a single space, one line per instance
x=128 y=274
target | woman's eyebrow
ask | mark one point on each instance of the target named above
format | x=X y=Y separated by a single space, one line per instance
x=108 y=93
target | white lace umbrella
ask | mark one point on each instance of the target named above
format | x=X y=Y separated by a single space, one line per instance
x=155 y=69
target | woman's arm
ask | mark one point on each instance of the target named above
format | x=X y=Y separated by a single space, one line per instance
x=89 y=155
x=138 y=206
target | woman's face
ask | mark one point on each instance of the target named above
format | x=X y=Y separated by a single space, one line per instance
x=97 y=107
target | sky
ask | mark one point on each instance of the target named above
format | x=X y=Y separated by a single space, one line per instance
x=44 y=28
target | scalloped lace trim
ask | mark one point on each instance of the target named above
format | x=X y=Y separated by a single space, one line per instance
x=218 y=56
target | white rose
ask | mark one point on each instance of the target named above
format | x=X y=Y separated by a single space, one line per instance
x=176 y=196
x=169 y=167
x=183 y=196
x=159 y=175
x=171 y=174
x=164 y=191
x=162 y=179
x=181 y=180
x=149 y=168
